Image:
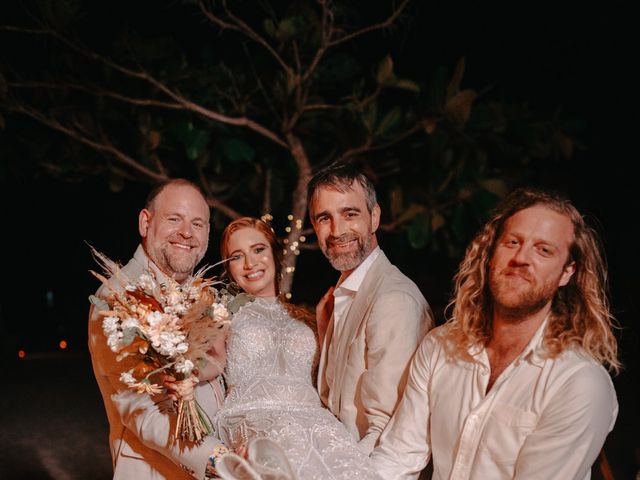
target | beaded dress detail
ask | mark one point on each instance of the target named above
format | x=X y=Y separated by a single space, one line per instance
x=271 y=394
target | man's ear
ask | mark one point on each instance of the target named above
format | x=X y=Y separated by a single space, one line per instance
x=143 y=222
x=375 y=218
x=567 y=273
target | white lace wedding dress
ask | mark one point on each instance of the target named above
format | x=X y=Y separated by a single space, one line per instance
x=271 y=395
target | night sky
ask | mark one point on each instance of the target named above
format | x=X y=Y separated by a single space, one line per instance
x=577 y=61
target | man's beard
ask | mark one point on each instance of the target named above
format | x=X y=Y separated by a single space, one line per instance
x=517 y=306
x=345 y=261
x=180 y=263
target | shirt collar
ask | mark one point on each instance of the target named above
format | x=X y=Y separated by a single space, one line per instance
x=352 y=282
x=534 y=351
x=142 y=258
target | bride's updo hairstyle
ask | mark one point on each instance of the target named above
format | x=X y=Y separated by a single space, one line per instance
x=299 y=313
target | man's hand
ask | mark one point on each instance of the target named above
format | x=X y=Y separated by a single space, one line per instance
x=177 y=389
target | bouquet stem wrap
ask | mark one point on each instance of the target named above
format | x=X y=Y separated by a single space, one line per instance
x=192 y=423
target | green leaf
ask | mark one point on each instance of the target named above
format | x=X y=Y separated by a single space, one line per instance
x=454 y=85
x=290 y=27
x=385 y=71
x=405 y=84
x=238 y=301
x=197 y=144
x=390 y=121
x=338 y=68
x=458 y=107
x=488 y=116
x=496 y=186
x=419 y=229
x=116 y=184
x=236 y=150
x=482 y=202
x=436 y=94
x=99 y=303
x=437 y=221
x=269 y=27
x=129 y=335
x=369 y=116
x=458 y=224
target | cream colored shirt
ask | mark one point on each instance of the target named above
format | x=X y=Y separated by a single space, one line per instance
x=543 y=418
x=343 y=296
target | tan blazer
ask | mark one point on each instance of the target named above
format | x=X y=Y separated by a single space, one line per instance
x=140 y=426
x=383 y=327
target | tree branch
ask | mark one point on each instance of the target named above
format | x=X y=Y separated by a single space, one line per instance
x=176 y=96
x=100 y=146
x=327 y=29
x=212 y=201
x=368 y=146
x=377 y=26
x=241 y=27
x=98 y=92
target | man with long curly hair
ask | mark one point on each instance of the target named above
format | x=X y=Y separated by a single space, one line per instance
x=513 y=385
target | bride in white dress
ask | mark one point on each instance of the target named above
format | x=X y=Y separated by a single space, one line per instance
x=271 y=356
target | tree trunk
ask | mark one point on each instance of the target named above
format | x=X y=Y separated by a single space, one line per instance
x=298 y=212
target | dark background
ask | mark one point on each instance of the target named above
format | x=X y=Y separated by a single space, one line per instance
x=577 y=60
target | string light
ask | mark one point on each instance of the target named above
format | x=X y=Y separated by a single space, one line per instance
x=290 y=217
x=288 y=229
x=287 y=295
x=21 y=354
x=302 y=238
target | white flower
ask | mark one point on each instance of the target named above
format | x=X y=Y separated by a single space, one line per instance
x=184 y=366
x=147 y=282
x=130 y=322
x=174 y=297
x=128 y=379
x=154 y=318
x=220 y=312
x=113 y=340
x=110 y=324
x=182 y=347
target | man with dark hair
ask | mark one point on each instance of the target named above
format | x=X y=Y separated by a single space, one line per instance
x=174 y=227
x=513 y=385
x=372 y=322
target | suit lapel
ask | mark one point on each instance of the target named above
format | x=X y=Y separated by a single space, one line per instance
x=354 y=318
x=323 y=387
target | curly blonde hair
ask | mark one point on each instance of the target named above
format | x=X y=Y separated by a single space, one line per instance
x=580 y=310
x=297 y=312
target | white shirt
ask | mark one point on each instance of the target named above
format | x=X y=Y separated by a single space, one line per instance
x=346 y=289
x=343 y=296
x=543 y=418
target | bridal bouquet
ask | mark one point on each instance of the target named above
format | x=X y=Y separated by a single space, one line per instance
x=165 y=328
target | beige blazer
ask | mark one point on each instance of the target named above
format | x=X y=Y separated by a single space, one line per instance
x=140 y=426
x=383 y=327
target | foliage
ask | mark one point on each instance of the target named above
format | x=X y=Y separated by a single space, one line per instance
x=250 y=98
